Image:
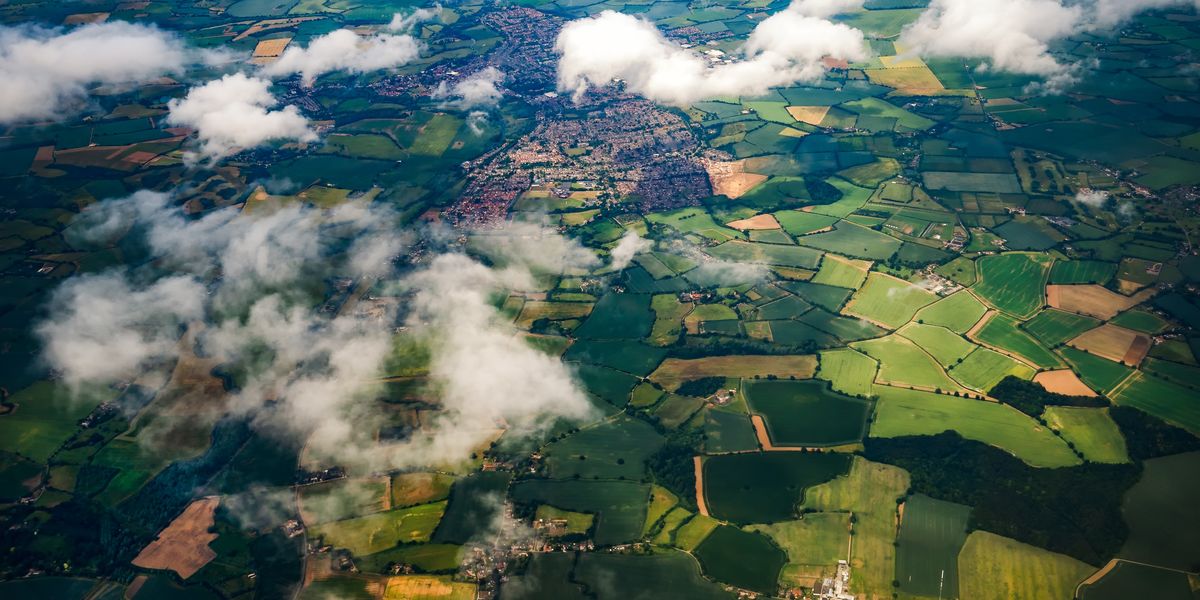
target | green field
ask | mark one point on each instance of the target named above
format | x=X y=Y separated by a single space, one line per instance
x=1013 y=283
x=1131 y=580
x=848 y=371
x=694 y=220
x=869 y=491
x=620 y=506
x=1091 y=431
x=46 y=416
x=943 y=345
x=619 y=316
x=957 y=312
x=818 y=540
x=991 y=567
x=1003 y=332
x=377 y=532
x=1161 y=513
x=1053 y=327
x=726 y=431
x=765 y=487
x=854 y=241
x=983 y=369
x=807 y=413
x=902 y=412
x=1099 y=374
x=429 y=558
x=746 y=559
x=668 y=319
x=472 y=506
x=631 y=357
x=609 y=450
x=1168 y=401
x=901 y=362
x=888 y=301
x=931 y=534
x=1140 y=320
x=663 y=574
x=1082 y=271
x=341 y=499
x=840 y=273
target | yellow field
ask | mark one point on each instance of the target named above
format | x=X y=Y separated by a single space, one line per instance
x=915 y=80
x=1114 y=343
x=731 y=179
x=991 y=567
x=813 y=115
x=674 y=371
x=426 y=587
x=1063 y=382
x=755 y=223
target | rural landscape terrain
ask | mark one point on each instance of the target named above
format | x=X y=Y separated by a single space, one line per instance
x=592 y=299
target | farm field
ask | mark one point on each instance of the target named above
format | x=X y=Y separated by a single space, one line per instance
x=619 y=506
x=982 y=369
x=992 y=567
x=932 y=532
x=379 y=531
x=1128 y=579
x=1054 y=327
x=1012 y=283
x=673 y=372
x=1091 y=431
x=888 y=301
x=901 y=412
x=903 y=363
x=848 y=371
x=1092 y=300
x=1159 y=508
x=1114 y=343
x=814 y=543
x=807 y=413
x=1003 y=334
x=957 y=312
x=765 y=487
x=615 y=449
x=870 y=492
x=746 y=559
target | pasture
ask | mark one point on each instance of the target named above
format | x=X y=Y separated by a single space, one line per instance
x=902 y=412
x=848 y=371
x=379 y=531
x=408 y=489
x=1013 y=283
x=842 y=272
x=807 y=413
x=726 y=431
x=992 y=567
x=1093 y=433
x=1166 y=400
x=612 y=449
x=856 y=241
x=957 y=312
x=945 y=346
x=1082 y=272
x=1097 y=373
x=663 y=574
x=765 y=487
x=901 y=362
x=813 y=544
x=932 y=532
x=768 y=254
x=888 y=301
x=869 y=492
x=619 y=506
x=982 y=369
x=472 y=506
x=746 y=559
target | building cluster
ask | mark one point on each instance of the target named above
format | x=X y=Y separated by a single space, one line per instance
x=633 y=149
x=836 y=587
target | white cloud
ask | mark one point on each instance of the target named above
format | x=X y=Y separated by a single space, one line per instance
x=235 y=112
x=480 y=89
x=630 y=245
x=405 y=23
x=825 y=8
x=313 y=373
x=1017 y=35
x=1092 y=197
x=344 y=50
x=104 y=327
x=47 y=71
x=785 y=48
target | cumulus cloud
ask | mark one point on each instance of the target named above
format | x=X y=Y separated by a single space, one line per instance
x=480 y=89
x=46 y=71
x=487 y=377
x=235 y=112
x=1017 y=35
x=345 y=50
x=404 y=23
x=825 y=8
x=310 y=366
x=104 y=327
x=630 y=245
x=787 y=47
x=1092 y=197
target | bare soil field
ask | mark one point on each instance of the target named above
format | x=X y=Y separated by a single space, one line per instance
x=698 y=462
x=731 y=179
x=1093 y=300
x=1063 y=382
x=755 y=223
x=1114 y=343
x=183 y=546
